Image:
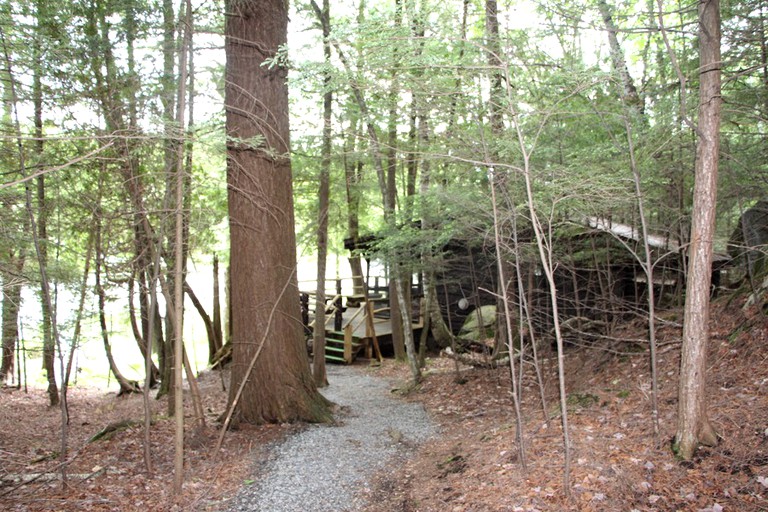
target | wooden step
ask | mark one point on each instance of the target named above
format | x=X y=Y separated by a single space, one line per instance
x=336 y=348
x=355 y=343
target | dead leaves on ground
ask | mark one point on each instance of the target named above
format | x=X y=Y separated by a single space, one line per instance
x=108 y=472
x=616 y=462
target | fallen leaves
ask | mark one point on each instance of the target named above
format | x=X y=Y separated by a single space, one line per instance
x=109 y=473
x=618 y=464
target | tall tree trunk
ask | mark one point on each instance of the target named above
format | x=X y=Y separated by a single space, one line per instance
x=693 y=426
x=629 y=94
x=271 y=379
x=179 y=256
x=172 y=155
x=42 y=219
x=49 y=348
x=150 y=335
x=408 y=341
x=396 y=280
x=353 y=173
x=493 y=51
x=318 y=334
x=12 y=272
x=12 y=285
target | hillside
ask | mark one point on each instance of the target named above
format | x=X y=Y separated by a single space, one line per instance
x=616 y=462
x=471 y=466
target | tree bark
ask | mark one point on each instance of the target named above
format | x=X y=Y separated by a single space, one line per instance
x=266 y=325
x=493 y=49
x=693 y=426
x=408 y=341
x=353 y=176
x=49 y=347
x=318 y=334
x=629 y=95
x=12 y=284
x=397 y=314
x=179 y=253
x=496 y=120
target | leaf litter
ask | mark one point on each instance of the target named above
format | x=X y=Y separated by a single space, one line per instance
x=471 y=466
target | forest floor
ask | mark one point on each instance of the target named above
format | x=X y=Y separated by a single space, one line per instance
x=474 y=465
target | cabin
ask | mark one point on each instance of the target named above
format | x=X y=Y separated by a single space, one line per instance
x=598 y=270
x=465 y=279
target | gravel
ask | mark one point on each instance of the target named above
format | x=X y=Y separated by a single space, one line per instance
x=327 y=467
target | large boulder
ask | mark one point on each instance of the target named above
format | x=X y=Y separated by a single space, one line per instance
x=480 y=324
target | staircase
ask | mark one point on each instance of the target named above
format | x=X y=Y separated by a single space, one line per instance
x=337 y=351
x=347 y=330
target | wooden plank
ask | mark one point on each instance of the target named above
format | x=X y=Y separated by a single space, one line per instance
x=348 y=345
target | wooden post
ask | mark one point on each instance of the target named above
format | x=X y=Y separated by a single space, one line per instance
x=348 y=344
x=338 y=318
x=370 y=329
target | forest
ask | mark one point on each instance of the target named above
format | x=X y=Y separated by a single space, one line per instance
x=585 y=181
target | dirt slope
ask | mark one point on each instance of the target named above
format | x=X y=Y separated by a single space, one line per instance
x=616 y=462
x=474 y=466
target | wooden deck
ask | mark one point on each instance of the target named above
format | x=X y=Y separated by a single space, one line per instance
x=382 y=326
x=355 y=322
x=360 y=327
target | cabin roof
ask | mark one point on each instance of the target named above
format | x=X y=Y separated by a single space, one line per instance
x=655 y=240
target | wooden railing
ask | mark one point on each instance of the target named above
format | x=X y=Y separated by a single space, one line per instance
x=366 y=314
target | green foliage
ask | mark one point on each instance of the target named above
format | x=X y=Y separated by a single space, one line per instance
x=421 y=74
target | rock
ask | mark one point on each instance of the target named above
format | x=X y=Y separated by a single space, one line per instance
x=480 y=324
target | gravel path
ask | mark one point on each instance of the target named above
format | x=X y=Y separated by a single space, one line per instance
x=324 y=468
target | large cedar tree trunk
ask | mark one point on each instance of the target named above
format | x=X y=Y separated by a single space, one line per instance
x=693 y=427
x=265 y=298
